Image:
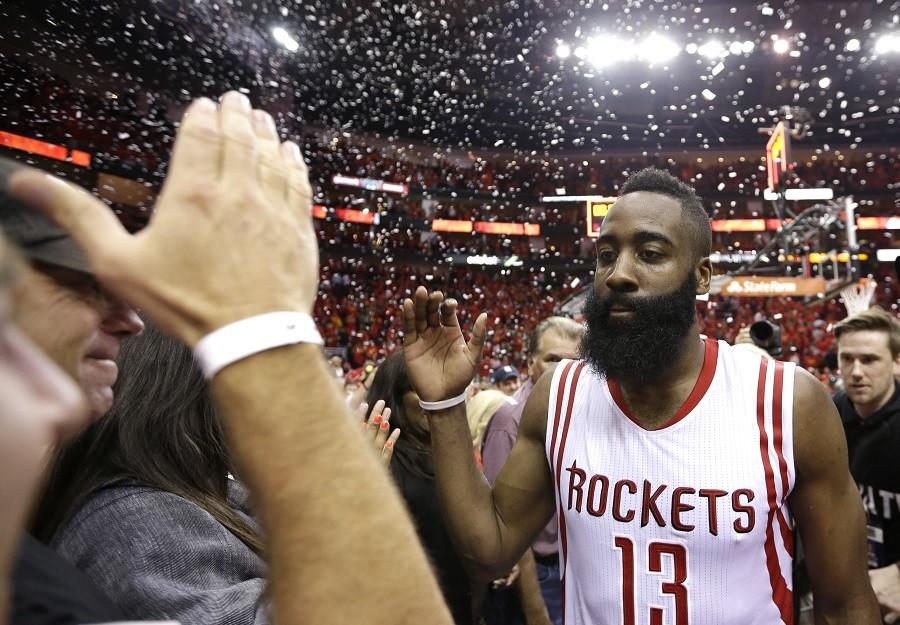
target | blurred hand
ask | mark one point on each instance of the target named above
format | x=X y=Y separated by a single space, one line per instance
x=376 y=429
x=886 y=583
x=231 y=234
x=439 y=362
x=509 y=580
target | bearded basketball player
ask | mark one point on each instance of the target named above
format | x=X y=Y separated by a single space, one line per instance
x=678 y=466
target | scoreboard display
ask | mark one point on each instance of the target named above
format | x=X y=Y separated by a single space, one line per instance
x=596 y=211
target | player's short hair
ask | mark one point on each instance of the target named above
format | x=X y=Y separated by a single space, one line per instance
x=564 y=326
x=877 y=319
x=655 y=180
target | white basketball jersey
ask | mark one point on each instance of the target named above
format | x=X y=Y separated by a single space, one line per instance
x=685 y=525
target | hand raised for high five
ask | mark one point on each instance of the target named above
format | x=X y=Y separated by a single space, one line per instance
x=439 y=362
x=231 y=234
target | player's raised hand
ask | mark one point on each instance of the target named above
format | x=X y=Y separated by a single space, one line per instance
x=439 y=361
x=231 y=234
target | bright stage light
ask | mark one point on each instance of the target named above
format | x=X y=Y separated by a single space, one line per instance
x=284 y=38
x=691 y=48
x=825 y=82
x=852 y=45
x=887 y=43
x=712 y=50
x=658 y=49
x=580 y=52
x=781 y=46
x=735 y=47
x=604 y=51
x=563 y=51
x=709 y=95
x=747 y=47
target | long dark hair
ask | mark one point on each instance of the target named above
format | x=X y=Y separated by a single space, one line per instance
x=162 y=432
x=391 y=383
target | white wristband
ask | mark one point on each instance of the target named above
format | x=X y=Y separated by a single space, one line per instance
x=252 y=335
x=444 y=404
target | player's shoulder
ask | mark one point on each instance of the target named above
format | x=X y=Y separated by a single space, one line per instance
x=808 y=390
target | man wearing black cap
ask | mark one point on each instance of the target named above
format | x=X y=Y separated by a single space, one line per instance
x=59 y=305
x=62 y=308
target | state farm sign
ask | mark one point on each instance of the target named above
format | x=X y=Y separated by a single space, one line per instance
x=756 y=286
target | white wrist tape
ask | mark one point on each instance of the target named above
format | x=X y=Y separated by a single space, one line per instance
x=252 y=335
x=444 y=404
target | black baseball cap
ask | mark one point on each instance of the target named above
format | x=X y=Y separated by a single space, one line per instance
x=36 y=235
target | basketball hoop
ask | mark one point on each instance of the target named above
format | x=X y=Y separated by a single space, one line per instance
x=857 y=297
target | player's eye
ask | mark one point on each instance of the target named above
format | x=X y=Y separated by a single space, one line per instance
x=605 y=256
x=650 y=255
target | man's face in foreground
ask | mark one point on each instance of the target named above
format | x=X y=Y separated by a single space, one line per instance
x=77 y=324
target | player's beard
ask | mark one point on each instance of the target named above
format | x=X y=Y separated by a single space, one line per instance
x=642 y=347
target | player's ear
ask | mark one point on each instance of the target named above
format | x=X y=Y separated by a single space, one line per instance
x=703 y=273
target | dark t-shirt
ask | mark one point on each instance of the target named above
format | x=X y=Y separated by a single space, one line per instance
x=47 y=590
x=874 y=446
x=422 y=500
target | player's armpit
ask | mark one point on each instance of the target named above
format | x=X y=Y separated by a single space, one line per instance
x=828 y=511
x=523 y=492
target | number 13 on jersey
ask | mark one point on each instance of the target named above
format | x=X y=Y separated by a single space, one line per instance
x=654 y=564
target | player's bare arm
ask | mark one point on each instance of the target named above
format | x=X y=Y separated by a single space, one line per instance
x=828 y=511
x=492 y=528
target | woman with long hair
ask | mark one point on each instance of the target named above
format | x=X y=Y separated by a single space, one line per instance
x=412 y=468
x=143 y=503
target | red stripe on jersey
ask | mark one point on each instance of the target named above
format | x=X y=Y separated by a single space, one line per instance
x=704 y=380
x=559 y=457
x=557 y=412
x=787 y=536
x=781 y=594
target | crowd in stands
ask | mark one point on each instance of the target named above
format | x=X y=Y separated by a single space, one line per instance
x=358 y=305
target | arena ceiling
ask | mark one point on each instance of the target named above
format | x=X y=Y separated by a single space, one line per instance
x=474 y=74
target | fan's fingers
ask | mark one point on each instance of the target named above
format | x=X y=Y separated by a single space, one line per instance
x=387 y=451
x=299 y=191
x=386 y=415
x=375 y=416
x=433 y=309
x=239 y=149
x=382 y=434
x=272 y=167
x=362 y=412
x=197 y=154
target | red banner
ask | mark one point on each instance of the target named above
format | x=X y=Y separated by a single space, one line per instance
x=45 y=149
x=451 y=225
x=507 y=228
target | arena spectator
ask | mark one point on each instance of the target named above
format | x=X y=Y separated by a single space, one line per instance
x=869 y=356
x=537 y=591
x=506 y=379
x=39 y=406
x=142 y=499
x=79 y=326
x=412 y=468
x=480 y=409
